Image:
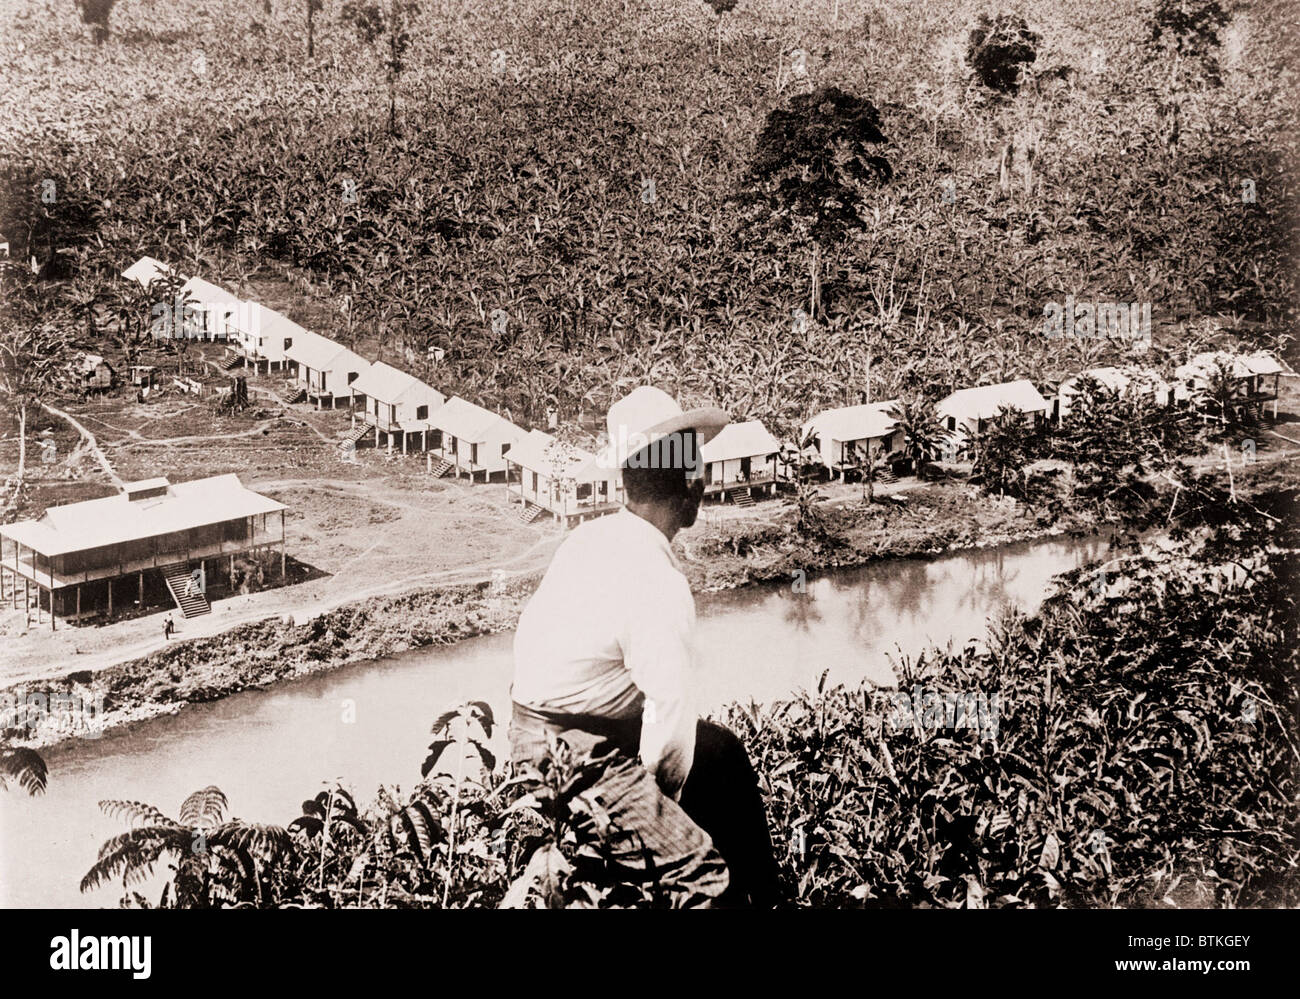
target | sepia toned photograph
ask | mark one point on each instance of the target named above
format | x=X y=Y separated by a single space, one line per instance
x=650 y=454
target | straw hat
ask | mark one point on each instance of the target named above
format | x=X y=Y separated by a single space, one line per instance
x=646 y=414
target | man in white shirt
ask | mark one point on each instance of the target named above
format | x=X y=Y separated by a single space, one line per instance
x=604 y=660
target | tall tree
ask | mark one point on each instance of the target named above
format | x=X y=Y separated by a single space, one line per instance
x=314 y=7
x=33 y=349
x=811 y=168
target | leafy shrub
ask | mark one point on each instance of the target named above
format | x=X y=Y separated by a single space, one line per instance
x=1144 y=754
x=999 y=49
x=1191 y=29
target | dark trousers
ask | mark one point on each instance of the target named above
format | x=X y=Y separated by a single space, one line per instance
x=712 y=848
x=721 y=794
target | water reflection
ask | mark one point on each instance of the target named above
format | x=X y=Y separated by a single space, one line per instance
x=270 y=749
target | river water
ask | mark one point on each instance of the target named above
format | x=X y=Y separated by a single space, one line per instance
x=368 y=723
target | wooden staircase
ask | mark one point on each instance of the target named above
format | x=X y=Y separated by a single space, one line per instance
x=294 y=393
x=354 y=435
x=886 y=477
x=529 y=512
x=231 y=362
x=177 y=576
x=441 y=467
x=742 y=496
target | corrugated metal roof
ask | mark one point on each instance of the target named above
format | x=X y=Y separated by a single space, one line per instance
x=116 y=520
x=853 y=423
x=465 y=420
x=984 y=401
x=205 y=292
x=740 y=440
x=256 y=319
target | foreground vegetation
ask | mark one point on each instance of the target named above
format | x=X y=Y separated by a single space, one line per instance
x=1146 y=756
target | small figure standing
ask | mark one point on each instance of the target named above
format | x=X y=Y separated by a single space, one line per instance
x=169 y=626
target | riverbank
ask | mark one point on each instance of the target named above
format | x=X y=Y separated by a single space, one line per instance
x=941 y=520
x=276 y=650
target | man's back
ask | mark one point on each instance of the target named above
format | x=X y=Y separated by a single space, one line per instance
x=611 y=581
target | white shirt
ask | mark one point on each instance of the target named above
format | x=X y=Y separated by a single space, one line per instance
x=612 y=620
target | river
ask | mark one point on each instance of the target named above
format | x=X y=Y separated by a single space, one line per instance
x=368 y=723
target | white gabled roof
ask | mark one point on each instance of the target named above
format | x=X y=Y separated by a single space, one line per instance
x=207 y=293
x=740 y=440
x=540 y=452
x=389 y=385
x=323 y=354
x=1111 y=378
x=465 y=420
x=984 y=401
x=116 y=520
x=852 y=423
x=86 y=363
x=147 y=270
x=255 y=319
x=1261 y=362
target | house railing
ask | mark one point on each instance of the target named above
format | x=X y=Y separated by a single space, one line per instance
x=46 y=577
x=754 y=479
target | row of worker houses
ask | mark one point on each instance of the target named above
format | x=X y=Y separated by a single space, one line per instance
x=843 y=437
x=154 y=540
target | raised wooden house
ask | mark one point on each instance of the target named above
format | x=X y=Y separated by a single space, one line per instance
x=1251 y=379
x=1136 y=382
x=324 y=370
x=397 y=406
x=472 y=440
x=966 y=413
x=154 y=534
x=560 y=479
x=261 y=337
x=843 y=437
x=203 y=311
x=740 y=462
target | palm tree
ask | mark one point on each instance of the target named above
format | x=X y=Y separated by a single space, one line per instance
x=26 y=768
x=215 y=859
x=924 y=434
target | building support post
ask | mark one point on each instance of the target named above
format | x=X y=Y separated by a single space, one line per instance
x=51 y=610
x=282 y=546
x=140 y=589
x=110 y=596
x=27 y=602
x=78 y=601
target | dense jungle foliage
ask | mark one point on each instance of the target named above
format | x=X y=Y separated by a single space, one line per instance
x=594 y=170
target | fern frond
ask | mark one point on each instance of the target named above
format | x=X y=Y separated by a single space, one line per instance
x=26 y=767
x=205 y=808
